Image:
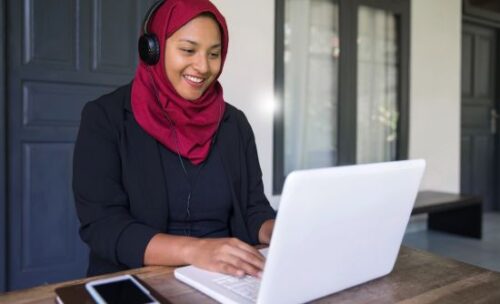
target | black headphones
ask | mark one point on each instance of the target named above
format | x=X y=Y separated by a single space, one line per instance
x=149 y=46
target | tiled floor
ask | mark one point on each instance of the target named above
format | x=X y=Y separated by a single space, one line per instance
x=484 y=252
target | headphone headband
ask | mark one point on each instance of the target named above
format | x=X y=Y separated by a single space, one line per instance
x=149 y=14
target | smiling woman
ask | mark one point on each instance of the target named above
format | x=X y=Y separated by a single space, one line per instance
x=152 y=184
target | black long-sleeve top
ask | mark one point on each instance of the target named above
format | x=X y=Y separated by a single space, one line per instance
x=199 y=197
x=119 y=182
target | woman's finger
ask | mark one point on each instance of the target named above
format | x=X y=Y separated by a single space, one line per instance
x=242 y=265
x=247 y=256
x=229 y=269
x=249 y=249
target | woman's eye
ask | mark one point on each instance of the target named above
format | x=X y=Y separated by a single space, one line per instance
x=214 y=55
x=187 y=51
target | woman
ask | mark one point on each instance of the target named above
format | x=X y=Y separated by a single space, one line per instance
x=166 y=172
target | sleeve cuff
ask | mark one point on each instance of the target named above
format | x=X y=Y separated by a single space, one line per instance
x=257 y=224
x=132 y=244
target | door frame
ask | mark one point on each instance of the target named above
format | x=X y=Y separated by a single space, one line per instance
x=496 y=144
x=478 y=12
x=3 y=152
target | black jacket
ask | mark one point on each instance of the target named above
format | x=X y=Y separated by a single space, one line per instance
x=119 y=183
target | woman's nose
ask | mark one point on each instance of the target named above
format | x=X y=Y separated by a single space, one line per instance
x=201 y=63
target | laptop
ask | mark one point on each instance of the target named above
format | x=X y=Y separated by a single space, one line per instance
x=336 y=228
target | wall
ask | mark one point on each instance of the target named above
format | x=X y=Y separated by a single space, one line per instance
x=249 y=72
x=435 y=91
x=434 y=83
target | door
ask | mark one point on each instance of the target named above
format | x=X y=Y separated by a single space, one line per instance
x=3 y=216
x=60 y=54
x=479 y=114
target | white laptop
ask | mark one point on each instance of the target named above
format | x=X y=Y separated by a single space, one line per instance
x=336 y=228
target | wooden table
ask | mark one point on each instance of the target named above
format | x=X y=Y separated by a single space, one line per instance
x=418 y=277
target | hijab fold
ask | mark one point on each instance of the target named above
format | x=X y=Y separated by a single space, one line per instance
x=183 y=126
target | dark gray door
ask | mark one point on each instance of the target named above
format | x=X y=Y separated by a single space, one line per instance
x=60 y=54
x=3 y=215
x=479 y=118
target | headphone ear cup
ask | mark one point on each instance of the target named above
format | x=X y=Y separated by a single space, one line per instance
x=149 y=49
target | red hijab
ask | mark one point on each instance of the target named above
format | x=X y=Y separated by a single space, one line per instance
x=183 y=126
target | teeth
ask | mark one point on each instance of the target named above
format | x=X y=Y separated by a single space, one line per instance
x=194 y=79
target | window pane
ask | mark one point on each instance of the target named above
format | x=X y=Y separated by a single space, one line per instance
x=311 y=83
x=377 y=90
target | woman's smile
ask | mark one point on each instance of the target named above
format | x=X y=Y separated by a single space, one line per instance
x=194 y=81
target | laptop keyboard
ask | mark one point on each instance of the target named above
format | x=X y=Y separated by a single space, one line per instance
x=247 y=286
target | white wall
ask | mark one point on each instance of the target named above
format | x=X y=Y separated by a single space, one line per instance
x=248 y=76
x=435 y=83
x=435 y=91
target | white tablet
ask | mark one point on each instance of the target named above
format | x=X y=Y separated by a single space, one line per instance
x=120 y=289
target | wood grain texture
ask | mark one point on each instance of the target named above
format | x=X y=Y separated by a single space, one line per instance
x=418 y=277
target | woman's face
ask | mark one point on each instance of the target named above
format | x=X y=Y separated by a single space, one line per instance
x=193 y=57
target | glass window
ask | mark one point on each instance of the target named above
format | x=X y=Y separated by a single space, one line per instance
x=377 y=86
x=341 y=76
x=311 y=53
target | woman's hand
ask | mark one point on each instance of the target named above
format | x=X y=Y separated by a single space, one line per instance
x=266 y=231
x=226 y=255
